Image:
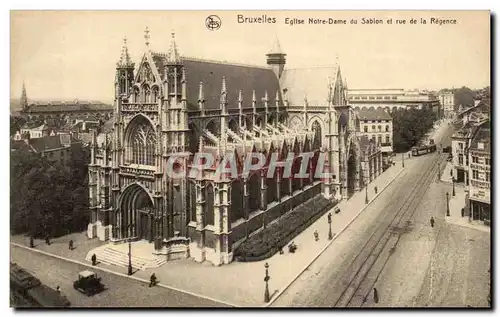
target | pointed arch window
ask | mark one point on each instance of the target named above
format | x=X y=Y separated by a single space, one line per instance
x=145 y=93
x=136 y=94
x=254 y=184
x=141 y=143
x=316 y=128
x=123 y=83
x=154 y=96
x=209 y=206
x=192 y=201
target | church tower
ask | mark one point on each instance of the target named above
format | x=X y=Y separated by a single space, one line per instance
x=124 y=73
x=124 y=80
x=177 y=138
x=24 y=99
x=276 y=59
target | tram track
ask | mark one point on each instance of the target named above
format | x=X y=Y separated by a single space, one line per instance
x=361 y=274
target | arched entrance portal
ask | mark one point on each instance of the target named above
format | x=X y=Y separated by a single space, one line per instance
x=136 y=209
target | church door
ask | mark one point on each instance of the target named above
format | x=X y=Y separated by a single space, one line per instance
x=143 y=233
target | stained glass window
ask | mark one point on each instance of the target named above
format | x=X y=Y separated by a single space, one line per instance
x=142 y=142
x=316 y=127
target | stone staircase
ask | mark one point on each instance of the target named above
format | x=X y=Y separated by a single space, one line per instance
x=111 y=255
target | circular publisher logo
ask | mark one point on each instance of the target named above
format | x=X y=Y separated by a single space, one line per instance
x=213 y=22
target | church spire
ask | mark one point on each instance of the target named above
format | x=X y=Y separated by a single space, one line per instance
x=277 y=99
x=201 y=99
x=276 y=58
x=24 y=98
x=240 y=108
x=183 y=85
x=276 y=48
x=125 y=60
x=338 y=80
x=173 y=52
x=223 y=96
x=146 y=37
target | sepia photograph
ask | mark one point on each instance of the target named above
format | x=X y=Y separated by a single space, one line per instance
x=275 y=159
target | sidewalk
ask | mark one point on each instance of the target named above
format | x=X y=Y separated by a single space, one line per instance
x=445 y=173
x=456 y=205
x=60 y=246
x=240 y=284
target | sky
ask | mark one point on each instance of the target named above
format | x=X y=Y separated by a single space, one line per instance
x=64 y=55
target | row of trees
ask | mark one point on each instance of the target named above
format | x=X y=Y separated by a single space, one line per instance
x=465 y=96
x=410 y=126
x=48 y=198
x=15 y=124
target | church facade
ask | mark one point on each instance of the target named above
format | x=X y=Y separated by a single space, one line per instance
x=170 y=108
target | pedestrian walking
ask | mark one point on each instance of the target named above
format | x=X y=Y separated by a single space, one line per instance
x=152 y=280
x=432 y=222
x=32 y=242
x=47 y=240
x=408 y=155
x=70 y=244
x=316 y=235
x=94 y=259
x=376 y=190
x=58 y=289
x=375 y=295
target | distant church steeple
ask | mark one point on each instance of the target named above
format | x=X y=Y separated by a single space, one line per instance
x=276 y=59
x=24 y=98
x=339 y=90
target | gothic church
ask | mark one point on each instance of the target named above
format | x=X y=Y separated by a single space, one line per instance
x=171 y=105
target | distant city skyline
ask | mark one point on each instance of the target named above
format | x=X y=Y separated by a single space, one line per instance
x=67 y=55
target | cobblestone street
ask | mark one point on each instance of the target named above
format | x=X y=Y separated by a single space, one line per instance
x=444 y=266
x=431 y=267
x=121 y=291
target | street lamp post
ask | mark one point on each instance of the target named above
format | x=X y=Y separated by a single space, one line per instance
x=403 y=161
x=130 y=251
x=366 y=197
x=266 y=279
x=330 y=235
x=447 y=204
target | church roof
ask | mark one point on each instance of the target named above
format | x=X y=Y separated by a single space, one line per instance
x=238 y=77
x=308 y=83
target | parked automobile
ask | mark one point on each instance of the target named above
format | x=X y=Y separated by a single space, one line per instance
x=88 y=283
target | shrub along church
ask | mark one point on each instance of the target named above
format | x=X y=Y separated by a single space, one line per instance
x=170 y=105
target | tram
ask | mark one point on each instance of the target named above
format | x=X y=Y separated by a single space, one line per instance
x=423 y=149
